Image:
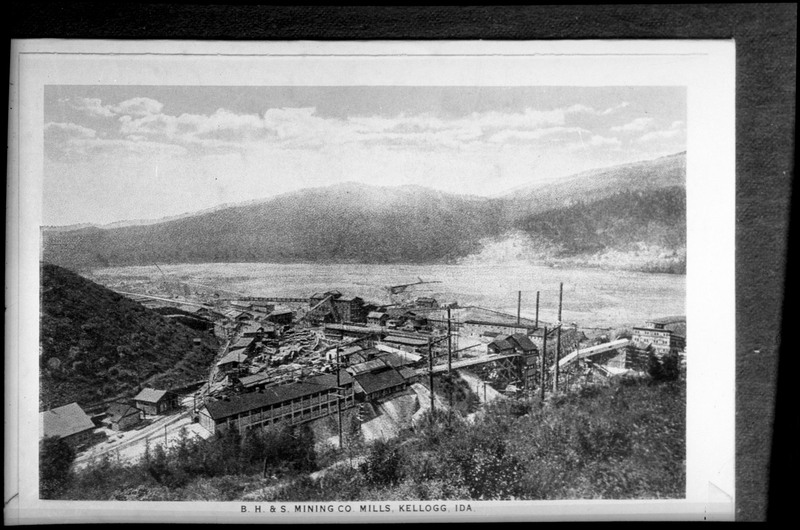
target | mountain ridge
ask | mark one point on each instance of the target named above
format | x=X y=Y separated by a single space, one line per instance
x=352 y=222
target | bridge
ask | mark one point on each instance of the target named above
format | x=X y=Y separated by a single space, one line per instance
x=465 y=363
x=590 y=352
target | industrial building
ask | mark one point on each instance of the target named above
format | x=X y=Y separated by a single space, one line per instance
x=293 y=403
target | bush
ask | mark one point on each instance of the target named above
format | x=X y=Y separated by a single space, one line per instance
x=55 y=460
x=382 y=465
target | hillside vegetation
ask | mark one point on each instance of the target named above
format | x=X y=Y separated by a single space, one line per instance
x=96 y=344
x=606 y=210
x=622 y=440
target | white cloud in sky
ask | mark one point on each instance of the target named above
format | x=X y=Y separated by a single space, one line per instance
x=676 y=130
x=637 y=125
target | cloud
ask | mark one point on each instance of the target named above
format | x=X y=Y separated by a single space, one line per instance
x=585 y=109
x=91 y=106
x=676 y=130
x=637 y=125
x=667 y=134
x=137 y=107
x=65 y=132
x=537 y=134
x=131 y=107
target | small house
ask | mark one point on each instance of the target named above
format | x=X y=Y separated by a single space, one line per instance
x=232 y=361
x=69 y=423
x=155 y=402
x=377 y=318
x=122 y=416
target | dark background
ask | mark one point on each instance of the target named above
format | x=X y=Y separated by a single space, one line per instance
x=766 y=40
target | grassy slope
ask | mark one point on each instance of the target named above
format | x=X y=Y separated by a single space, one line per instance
x=97 y=344
x=612 y=442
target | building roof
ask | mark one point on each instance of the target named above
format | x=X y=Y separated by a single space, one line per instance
x=373 y=382
x=254 y=379
x=354 y=328
x=407 y=372
x=243 y=342
x=64 y=421
x=233 y=357
x=376 y=314
x=501 y=345
x=284 y=311
x=270 y=396
x=397 y=359
x=408 y=341
x=523 y=342
x=351 y=350
x=367 y=366
x=330 y=379
x=118 y=411
x=151 y=395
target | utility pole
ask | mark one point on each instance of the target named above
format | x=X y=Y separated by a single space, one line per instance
x=558 y=337
x=339 y=397
x=542 y=368
x=519 y=305
x=537 y=309
x=449 y=344
x=430 y=374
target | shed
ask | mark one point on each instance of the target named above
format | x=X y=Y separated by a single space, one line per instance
x=232 y=360
x=122 y=416
x=499 y=345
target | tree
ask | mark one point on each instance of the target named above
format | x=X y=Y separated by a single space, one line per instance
x=55 y=460
x=671 y=365
x=654 y=367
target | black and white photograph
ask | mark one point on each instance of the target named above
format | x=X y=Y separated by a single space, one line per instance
x=349 y=282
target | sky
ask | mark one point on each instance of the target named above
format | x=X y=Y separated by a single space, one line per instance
x=114 y=153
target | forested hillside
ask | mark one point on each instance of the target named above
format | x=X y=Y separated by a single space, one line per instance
x=346 y=223
x=97 y=344
x=609 y=209
x=623 y=222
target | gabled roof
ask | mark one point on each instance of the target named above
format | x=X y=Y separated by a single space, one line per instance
x=64 y=421
x=523 y=342
x=376 y=381
x=118 y=411
x=501 y=345
x=233 y=357
x=244 y=342
x=376 y=314
x=151 y=395
x=368 y=366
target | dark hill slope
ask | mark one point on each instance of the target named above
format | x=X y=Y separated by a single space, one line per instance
x=346 y=223
x=664 y=172
x=97 y=344
x=624 y=222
